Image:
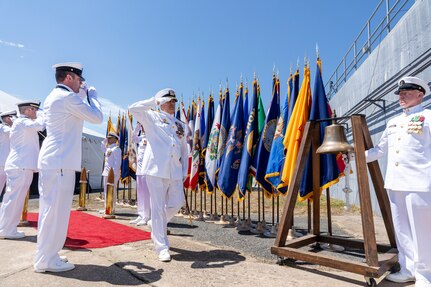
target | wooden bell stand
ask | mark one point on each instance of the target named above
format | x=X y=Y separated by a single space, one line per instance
x=379 y=257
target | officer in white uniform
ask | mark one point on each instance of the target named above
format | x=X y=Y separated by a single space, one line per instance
x=164 y=163
x=112 y=160
x=5 y=125
x=59 y=159
x=142 y=192
x=20 y=165
x=407 y=141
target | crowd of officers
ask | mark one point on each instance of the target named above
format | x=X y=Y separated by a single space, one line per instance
x=162 y=161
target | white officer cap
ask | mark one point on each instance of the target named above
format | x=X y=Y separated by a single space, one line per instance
x=8 y=113
x=73 y=67
x=166 y=93
x=34 y=103
x=412 y=83
x=113 y=135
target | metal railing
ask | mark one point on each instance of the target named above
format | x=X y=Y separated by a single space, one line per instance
x=369 y=38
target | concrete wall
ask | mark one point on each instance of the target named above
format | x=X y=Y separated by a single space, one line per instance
x=409 y=40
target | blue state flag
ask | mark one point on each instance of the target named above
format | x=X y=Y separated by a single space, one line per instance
x=212 y=147
x=228 y=174
x=246 y=107
x=276 y=156
x=250 y=141
x=329 y=172
x=261 y=157
x=294 y=95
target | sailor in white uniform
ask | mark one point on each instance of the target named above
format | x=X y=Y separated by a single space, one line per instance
x=20 y=165
x=142 y=192
x=112 y=160
x=6 y=119
x=164 y=164
x=59 y=159
x=407 y=141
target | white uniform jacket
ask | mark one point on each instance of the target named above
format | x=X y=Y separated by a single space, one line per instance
x=112 y=159
x=4 y=143
x=64 y=116
x=24 y=143
x=166 y=152
x=407 y=141
x=140 y=139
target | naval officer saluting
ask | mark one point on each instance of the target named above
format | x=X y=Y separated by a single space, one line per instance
x=164 y=163
x=5 y=125
x=407 y=141
x=20 y=165
x=59 y=159
x=112 y=160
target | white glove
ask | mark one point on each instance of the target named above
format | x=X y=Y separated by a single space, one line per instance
x=92 y=93
x=161 y=101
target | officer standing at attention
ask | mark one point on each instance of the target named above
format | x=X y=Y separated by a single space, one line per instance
x=59 y=159
x=164 y=164
x=142 y=193
x=407 y=141
x=5 y=125
x=20 y=165
x=112 y=160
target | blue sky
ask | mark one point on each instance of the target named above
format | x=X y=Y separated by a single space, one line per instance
x=130 y=49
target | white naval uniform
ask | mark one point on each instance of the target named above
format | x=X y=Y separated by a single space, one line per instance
x=408 y=182
x=112 y=160
x=142 y=192
x=59 y=159
x=4 y=152
x=20 y=165
x=164 y=164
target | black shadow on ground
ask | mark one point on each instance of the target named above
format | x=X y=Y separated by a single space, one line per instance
x=121 y=273
x=208 y=259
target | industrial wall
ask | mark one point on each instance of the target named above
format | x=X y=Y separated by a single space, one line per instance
x=406 y=50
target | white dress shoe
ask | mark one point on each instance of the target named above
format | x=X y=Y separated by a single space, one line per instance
x=164 y=255
x=16 y=235
x=59 y=266
x=136 y=220
x=400 y=277
x=143 y=221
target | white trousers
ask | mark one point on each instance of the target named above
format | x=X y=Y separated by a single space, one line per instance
x=18 y=183
x=55 y=201
x=105 y=188
x=411 y=213
x=143 y=197
x=166 y=198
x=2 y=179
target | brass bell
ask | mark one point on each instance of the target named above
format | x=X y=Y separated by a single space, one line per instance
x=334 y=140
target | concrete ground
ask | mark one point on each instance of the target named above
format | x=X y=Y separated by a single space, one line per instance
x=194 y=262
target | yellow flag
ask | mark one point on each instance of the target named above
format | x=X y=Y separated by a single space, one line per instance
x=295 y=129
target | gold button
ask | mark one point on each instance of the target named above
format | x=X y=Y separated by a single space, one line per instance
x=396 y=164
x=399 y=139
x=402 y=126
x=173 y=127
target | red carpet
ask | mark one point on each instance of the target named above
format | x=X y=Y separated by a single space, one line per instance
x=89 y=231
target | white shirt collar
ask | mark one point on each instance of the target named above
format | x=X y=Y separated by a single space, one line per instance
x=413 y=110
